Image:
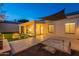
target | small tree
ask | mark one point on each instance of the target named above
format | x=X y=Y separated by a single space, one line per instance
x=23 y=20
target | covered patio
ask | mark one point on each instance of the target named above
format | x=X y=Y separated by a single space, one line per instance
x=35 y=29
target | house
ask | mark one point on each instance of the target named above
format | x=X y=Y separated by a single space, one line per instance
x=65 y=25
x=57 y=24
x=8 y=30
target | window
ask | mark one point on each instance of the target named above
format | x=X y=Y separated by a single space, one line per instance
x=51 y=28
x=70 y=27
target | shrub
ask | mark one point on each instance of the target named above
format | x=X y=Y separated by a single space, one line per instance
x=23 y=36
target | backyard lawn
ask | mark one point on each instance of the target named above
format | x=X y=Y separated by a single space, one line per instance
x=8 y=36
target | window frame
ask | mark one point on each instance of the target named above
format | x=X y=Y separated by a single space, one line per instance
x=69 y=32
x=51 y=28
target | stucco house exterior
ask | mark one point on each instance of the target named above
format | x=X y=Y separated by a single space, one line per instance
x=68 y=26
x=59 y=24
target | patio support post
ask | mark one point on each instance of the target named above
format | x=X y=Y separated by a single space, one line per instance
x=19 y=29
x=26 y=30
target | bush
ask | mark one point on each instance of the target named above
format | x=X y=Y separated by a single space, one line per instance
x=23 y=36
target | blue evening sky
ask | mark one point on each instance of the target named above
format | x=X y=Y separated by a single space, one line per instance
x=32 y=11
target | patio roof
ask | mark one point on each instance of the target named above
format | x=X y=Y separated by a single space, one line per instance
x=27 y=23
x=31 y=22
x=56 y=16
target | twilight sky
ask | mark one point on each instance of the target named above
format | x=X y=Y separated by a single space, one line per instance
x=32 y=11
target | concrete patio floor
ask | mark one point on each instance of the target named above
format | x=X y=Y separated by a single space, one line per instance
x=33 y=47
x=20 y=45
x=38 y=51
x=34 y=51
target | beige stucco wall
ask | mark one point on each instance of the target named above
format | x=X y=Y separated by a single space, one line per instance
x=60 y=28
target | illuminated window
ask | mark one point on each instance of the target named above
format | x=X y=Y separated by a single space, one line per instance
x=70 y=27
x=51 y=28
